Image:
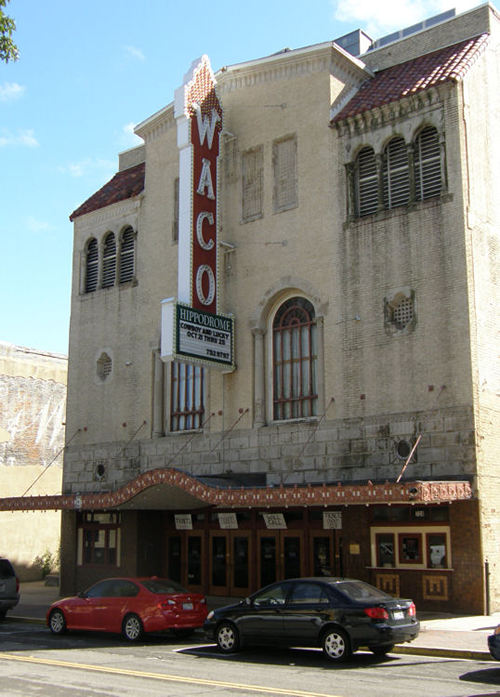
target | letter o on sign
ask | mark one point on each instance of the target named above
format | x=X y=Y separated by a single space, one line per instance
x=203 y=270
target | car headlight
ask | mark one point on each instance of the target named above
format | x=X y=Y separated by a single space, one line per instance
x=210 y=615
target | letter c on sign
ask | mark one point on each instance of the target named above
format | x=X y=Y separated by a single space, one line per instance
x=199 y=230
x=205 y=269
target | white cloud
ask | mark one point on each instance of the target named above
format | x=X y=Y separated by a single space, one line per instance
x=23 y=138
x=89 y=167
x=35 y=225
x=135 y=52
x=380 y=18
x=10 y=91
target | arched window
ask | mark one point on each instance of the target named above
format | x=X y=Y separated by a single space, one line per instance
x=366 y=183
x=91 y=266
x=295 y=353
x=427 y=158
x=395 y=174
x=109 y=261
x=127 y=255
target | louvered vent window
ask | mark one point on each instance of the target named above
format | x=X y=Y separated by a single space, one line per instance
x=395 y=174
x=104 y=366
x=252 y=166
x=366 y=183
x=92 y=266
x=127 y=254
x=109 y=261
x=285 y=174
x=428 y=179
x=187 y=397
x=295 y=357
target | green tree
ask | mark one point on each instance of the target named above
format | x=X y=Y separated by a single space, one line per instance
x=8 y=49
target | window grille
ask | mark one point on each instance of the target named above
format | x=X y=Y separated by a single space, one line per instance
x=295 y=360
x=91 y=266
x=252 y=171
x=285 y=174
x=127 y=255
x=395 y=174
x=402 y=312
x=366 y=183
x=109 y=261
x=427 y=157
x=187 y=397
x=104 y=366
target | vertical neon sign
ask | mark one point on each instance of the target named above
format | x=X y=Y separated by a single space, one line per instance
x=199 y=123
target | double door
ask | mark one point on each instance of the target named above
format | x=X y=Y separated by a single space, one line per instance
x=280 y=555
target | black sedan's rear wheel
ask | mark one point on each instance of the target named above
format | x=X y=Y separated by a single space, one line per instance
x=336 y=645
x=132 y=628
x=57 y=622
x=228 y=638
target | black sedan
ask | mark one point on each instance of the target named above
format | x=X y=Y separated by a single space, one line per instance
x=494 y=643
x=338 y=614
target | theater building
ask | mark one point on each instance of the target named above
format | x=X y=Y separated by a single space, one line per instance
x=282 y=351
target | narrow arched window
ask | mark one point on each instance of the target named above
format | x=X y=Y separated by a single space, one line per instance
x=366 y=183
x=395 y=174
x=295 y=391
x=427 y=158
x=91 y=266
x=109 y=261
x=127 y=255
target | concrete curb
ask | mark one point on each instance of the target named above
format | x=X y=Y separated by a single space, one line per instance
x=444 y=653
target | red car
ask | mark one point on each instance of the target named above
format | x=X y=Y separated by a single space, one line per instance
x=130 y=606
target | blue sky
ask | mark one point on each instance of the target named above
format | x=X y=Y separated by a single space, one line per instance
x=88 y=71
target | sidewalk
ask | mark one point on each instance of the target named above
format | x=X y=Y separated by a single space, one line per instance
x=445 y=635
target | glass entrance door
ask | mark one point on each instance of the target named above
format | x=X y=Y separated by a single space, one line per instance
x=194 y=555
x=279 y=556
x=229 y=563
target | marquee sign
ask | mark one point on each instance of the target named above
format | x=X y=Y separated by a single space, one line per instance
x=205 y=335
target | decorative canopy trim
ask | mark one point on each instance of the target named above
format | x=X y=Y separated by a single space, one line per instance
x=312 y=495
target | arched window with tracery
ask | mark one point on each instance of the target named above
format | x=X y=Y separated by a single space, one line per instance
x=109 y=261
x=91 y=265
x=295 y=357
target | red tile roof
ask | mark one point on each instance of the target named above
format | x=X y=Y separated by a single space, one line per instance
x=398 y=81
x=125 y=184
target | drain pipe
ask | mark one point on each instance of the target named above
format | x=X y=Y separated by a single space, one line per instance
x=487 y=585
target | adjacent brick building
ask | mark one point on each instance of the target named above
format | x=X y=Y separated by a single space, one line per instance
x=32 y=414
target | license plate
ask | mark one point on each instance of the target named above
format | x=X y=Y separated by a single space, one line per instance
x=187 y=606
x=398 y=615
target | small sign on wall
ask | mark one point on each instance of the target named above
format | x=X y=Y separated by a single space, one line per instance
x=332 y=520
x=228 y=521
x=183 y=521
x=274 y=521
